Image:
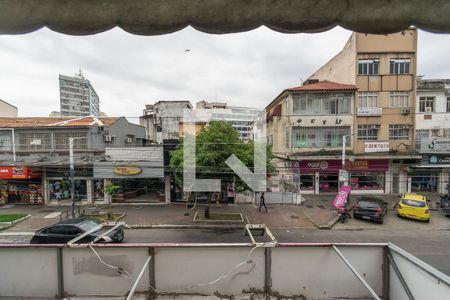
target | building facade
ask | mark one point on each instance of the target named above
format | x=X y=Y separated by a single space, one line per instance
x=7 y=110
x=161 y=120
x=241 y=118
x=432 y=136
x=383 y=69
x=78 y=97
x=34 y=161
x=305 y=126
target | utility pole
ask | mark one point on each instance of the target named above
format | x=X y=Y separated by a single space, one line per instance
x=72 y=176
x=72 y=173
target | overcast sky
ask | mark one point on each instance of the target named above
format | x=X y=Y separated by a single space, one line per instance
x=129 y=71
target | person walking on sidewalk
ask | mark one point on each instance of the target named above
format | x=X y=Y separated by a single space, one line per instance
x=217 y=196
x=262 y=202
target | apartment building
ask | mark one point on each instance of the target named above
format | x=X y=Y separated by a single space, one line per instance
x=241 y=118
x=432 y=136
x=7 y=109
x=77 y=96
x=305 y=126
x=383 y=69
x=34 y=160
x=161 y=120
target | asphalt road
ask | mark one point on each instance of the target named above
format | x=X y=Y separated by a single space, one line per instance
x=432 y=246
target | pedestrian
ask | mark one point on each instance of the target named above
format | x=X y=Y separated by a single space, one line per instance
x=262 y=202
x=230 y=193
x=217 y=196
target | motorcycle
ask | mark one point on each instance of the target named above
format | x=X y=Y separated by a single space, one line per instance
x=344 y=214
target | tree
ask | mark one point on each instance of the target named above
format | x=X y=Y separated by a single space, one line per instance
x=214 y=145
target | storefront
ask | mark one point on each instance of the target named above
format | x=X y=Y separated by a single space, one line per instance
x=431 y=175
x=137 y=182
x=322 y=176
x=57 y=180
x=21 y=185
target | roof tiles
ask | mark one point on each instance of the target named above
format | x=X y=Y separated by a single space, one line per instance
x=324 y=86
x=56 y=122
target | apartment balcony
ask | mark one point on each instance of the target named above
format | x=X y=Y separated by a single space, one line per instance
x=253 y=270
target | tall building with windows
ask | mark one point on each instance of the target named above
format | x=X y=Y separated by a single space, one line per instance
x=379 y=129
x=305 y=126
x=432 y=135
x=383 y=68
x=78 y=97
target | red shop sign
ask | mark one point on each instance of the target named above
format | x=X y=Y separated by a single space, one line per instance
x=333 y=166
x=17 y=173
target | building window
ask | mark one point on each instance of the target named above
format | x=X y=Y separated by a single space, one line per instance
x=399 y=99
x=400 y=65
x=448 y=104
x=322 y=104
x=287 y=138
x=426 y=104
x=368 y=99
x=368 y=66
x=34 y=141
x=368 y=132
x=62 y=140
x=435 y=132
x=318 y=137
x=399 y=132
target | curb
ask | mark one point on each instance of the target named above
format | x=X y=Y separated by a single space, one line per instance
x=328 y=226
x=15 y=221
x=182 y=226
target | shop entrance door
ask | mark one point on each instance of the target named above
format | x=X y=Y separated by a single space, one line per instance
x=395 y=183
x=328 y=183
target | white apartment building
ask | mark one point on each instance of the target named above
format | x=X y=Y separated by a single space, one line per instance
x=78 y=97
x=161 y=120
x=432 y=135
x=241 y=118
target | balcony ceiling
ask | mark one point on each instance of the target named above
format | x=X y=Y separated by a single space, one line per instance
x=156 y=17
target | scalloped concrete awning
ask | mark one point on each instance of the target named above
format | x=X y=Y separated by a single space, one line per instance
x=155 y=17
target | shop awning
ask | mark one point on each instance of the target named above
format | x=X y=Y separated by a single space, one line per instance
x=437 y=166
x=155 y=17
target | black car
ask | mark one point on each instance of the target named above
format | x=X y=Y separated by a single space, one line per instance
x=370 y=208
x=445 y=204
x=67 y=230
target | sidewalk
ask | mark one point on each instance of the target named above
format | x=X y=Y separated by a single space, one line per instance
x=316 y=212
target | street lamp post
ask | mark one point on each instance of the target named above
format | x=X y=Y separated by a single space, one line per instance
x=72 y=173
x=344 y=142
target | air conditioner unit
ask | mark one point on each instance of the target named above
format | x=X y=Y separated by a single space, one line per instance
x=107 y=138
x=428 y=109
x=405 y=111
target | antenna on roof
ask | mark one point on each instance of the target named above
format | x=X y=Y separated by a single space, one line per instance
x=80 y=74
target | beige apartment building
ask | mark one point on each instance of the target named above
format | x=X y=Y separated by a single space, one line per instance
x=379 y=129
x=7 y=110
x=383 y=68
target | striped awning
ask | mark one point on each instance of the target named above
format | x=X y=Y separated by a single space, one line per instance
x=155 y=17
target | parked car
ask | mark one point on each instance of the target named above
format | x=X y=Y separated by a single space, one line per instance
x=67 y=230
x=445 y=204
x=370 y=208
x=414 y=206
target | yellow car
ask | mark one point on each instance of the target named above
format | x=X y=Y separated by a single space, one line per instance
x=414 y=206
